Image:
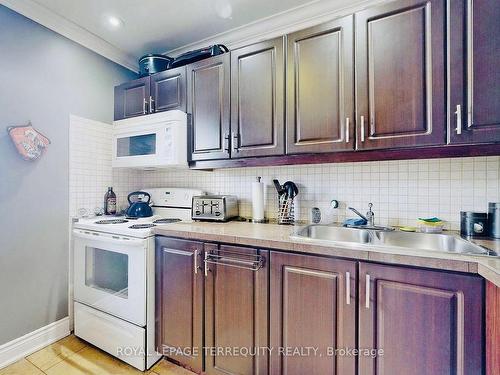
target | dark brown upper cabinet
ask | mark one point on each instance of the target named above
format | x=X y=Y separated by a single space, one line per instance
x=320 y=92
x=132 y=98
x=168 y=90
x=179 y=300
x=208 y=83
x=313 y=304
x=257 y=99
x=159 y=92
x=400 y=75
x=474 y=71
x=236 y=310
x=426 y=322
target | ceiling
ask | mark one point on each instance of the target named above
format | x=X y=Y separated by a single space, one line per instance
x=155 y=26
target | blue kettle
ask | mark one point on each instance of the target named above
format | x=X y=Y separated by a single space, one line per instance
x=139 y=208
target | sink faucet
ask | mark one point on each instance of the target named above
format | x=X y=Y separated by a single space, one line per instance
x=370 y=216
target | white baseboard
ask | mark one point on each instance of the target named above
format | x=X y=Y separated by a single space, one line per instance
x=23 y=346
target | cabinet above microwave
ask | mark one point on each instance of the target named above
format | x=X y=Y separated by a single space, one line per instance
x=158 y=140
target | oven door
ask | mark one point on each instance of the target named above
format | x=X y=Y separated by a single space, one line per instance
x=110 y=274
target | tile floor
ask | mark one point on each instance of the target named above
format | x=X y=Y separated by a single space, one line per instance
x=72 y=356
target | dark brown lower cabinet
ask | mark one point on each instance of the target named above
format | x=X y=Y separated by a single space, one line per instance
x=426 y=322
x=492 y=329
x=236 y=311
x=179 y=301
x=313 y=304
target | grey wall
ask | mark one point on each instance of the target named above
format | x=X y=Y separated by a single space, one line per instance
x=43 y=78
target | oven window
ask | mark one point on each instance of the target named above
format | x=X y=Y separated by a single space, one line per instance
x=136 y=145
x=106 y=271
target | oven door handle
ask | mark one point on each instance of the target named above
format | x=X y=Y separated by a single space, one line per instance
x=110 y=238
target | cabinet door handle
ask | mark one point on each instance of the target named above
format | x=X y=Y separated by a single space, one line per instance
x=458 y=112
x=362 y=128
x=144 y=104
x=226 y=142
x=347 y=130
x=236 y=142
x=196 y=262
x=206 y=264
x=367 y=292
x=348 y=288
x=151 y=105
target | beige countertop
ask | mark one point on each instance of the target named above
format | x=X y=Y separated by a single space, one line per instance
x=273 y=236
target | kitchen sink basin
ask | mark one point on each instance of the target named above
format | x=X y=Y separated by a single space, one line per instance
x=335 y=234
x=418 y=241
x=430 y=241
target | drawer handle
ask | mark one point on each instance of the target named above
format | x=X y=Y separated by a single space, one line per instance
x=458 y=112
x=196 y=262
x=236 y=142
x=362 y=128
x=206 y=264
x=227 y=137
x=151 y=104
x=348 y=288
x=347 y=131
x=367 y=292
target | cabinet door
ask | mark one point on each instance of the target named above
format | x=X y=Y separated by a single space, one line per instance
x=313 y=304
x=257 y=99
x=400 y=74
x=426 y=322
x=320 y=81
x=236 y=310
x=179 y=301
x=492 y=328
x=168 y=90
x=474 y=71
x=132 y=98
x=208 y=102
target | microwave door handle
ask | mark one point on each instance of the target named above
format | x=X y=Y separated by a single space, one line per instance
x=79 y=233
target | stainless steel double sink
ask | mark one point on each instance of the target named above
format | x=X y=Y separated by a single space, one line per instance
x=447 y=243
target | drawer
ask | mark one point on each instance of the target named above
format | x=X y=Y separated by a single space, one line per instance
x=119 y=338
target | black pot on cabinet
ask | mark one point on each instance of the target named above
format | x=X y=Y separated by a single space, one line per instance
x=151 y=64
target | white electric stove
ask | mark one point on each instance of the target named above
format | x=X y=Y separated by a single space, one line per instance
x=114 y=277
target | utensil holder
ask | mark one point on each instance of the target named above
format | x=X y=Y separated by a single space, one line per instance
x=286 y=211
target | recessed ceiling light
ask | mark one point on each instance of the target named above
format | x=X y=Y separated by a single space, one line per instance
x=115 y=22
x=223 y=9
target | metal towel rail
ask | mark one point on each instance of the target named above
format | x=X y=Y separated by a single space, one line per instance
x=253 y=262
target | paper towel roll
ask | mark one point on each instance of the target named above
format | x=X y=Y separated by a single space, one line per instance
x=258 y=200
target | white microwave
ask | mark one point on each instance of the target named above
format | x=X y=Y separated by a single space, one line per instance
x=158 y=140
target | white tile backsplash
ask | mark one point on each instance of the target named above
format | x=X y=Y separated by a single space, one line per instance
x=89 y=164
x=401 y=191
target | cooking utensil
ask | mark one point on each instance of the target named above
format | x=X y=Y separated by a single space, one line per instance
x=199 y=54
x=286 y=194
x=139 y=208
x=151 y=64
x=291 y=189
x=278 y=187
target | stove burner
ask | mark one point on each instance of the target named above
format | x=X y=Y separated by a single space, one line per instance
x=111 y=221
x=141 y=226
x=166 y=221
